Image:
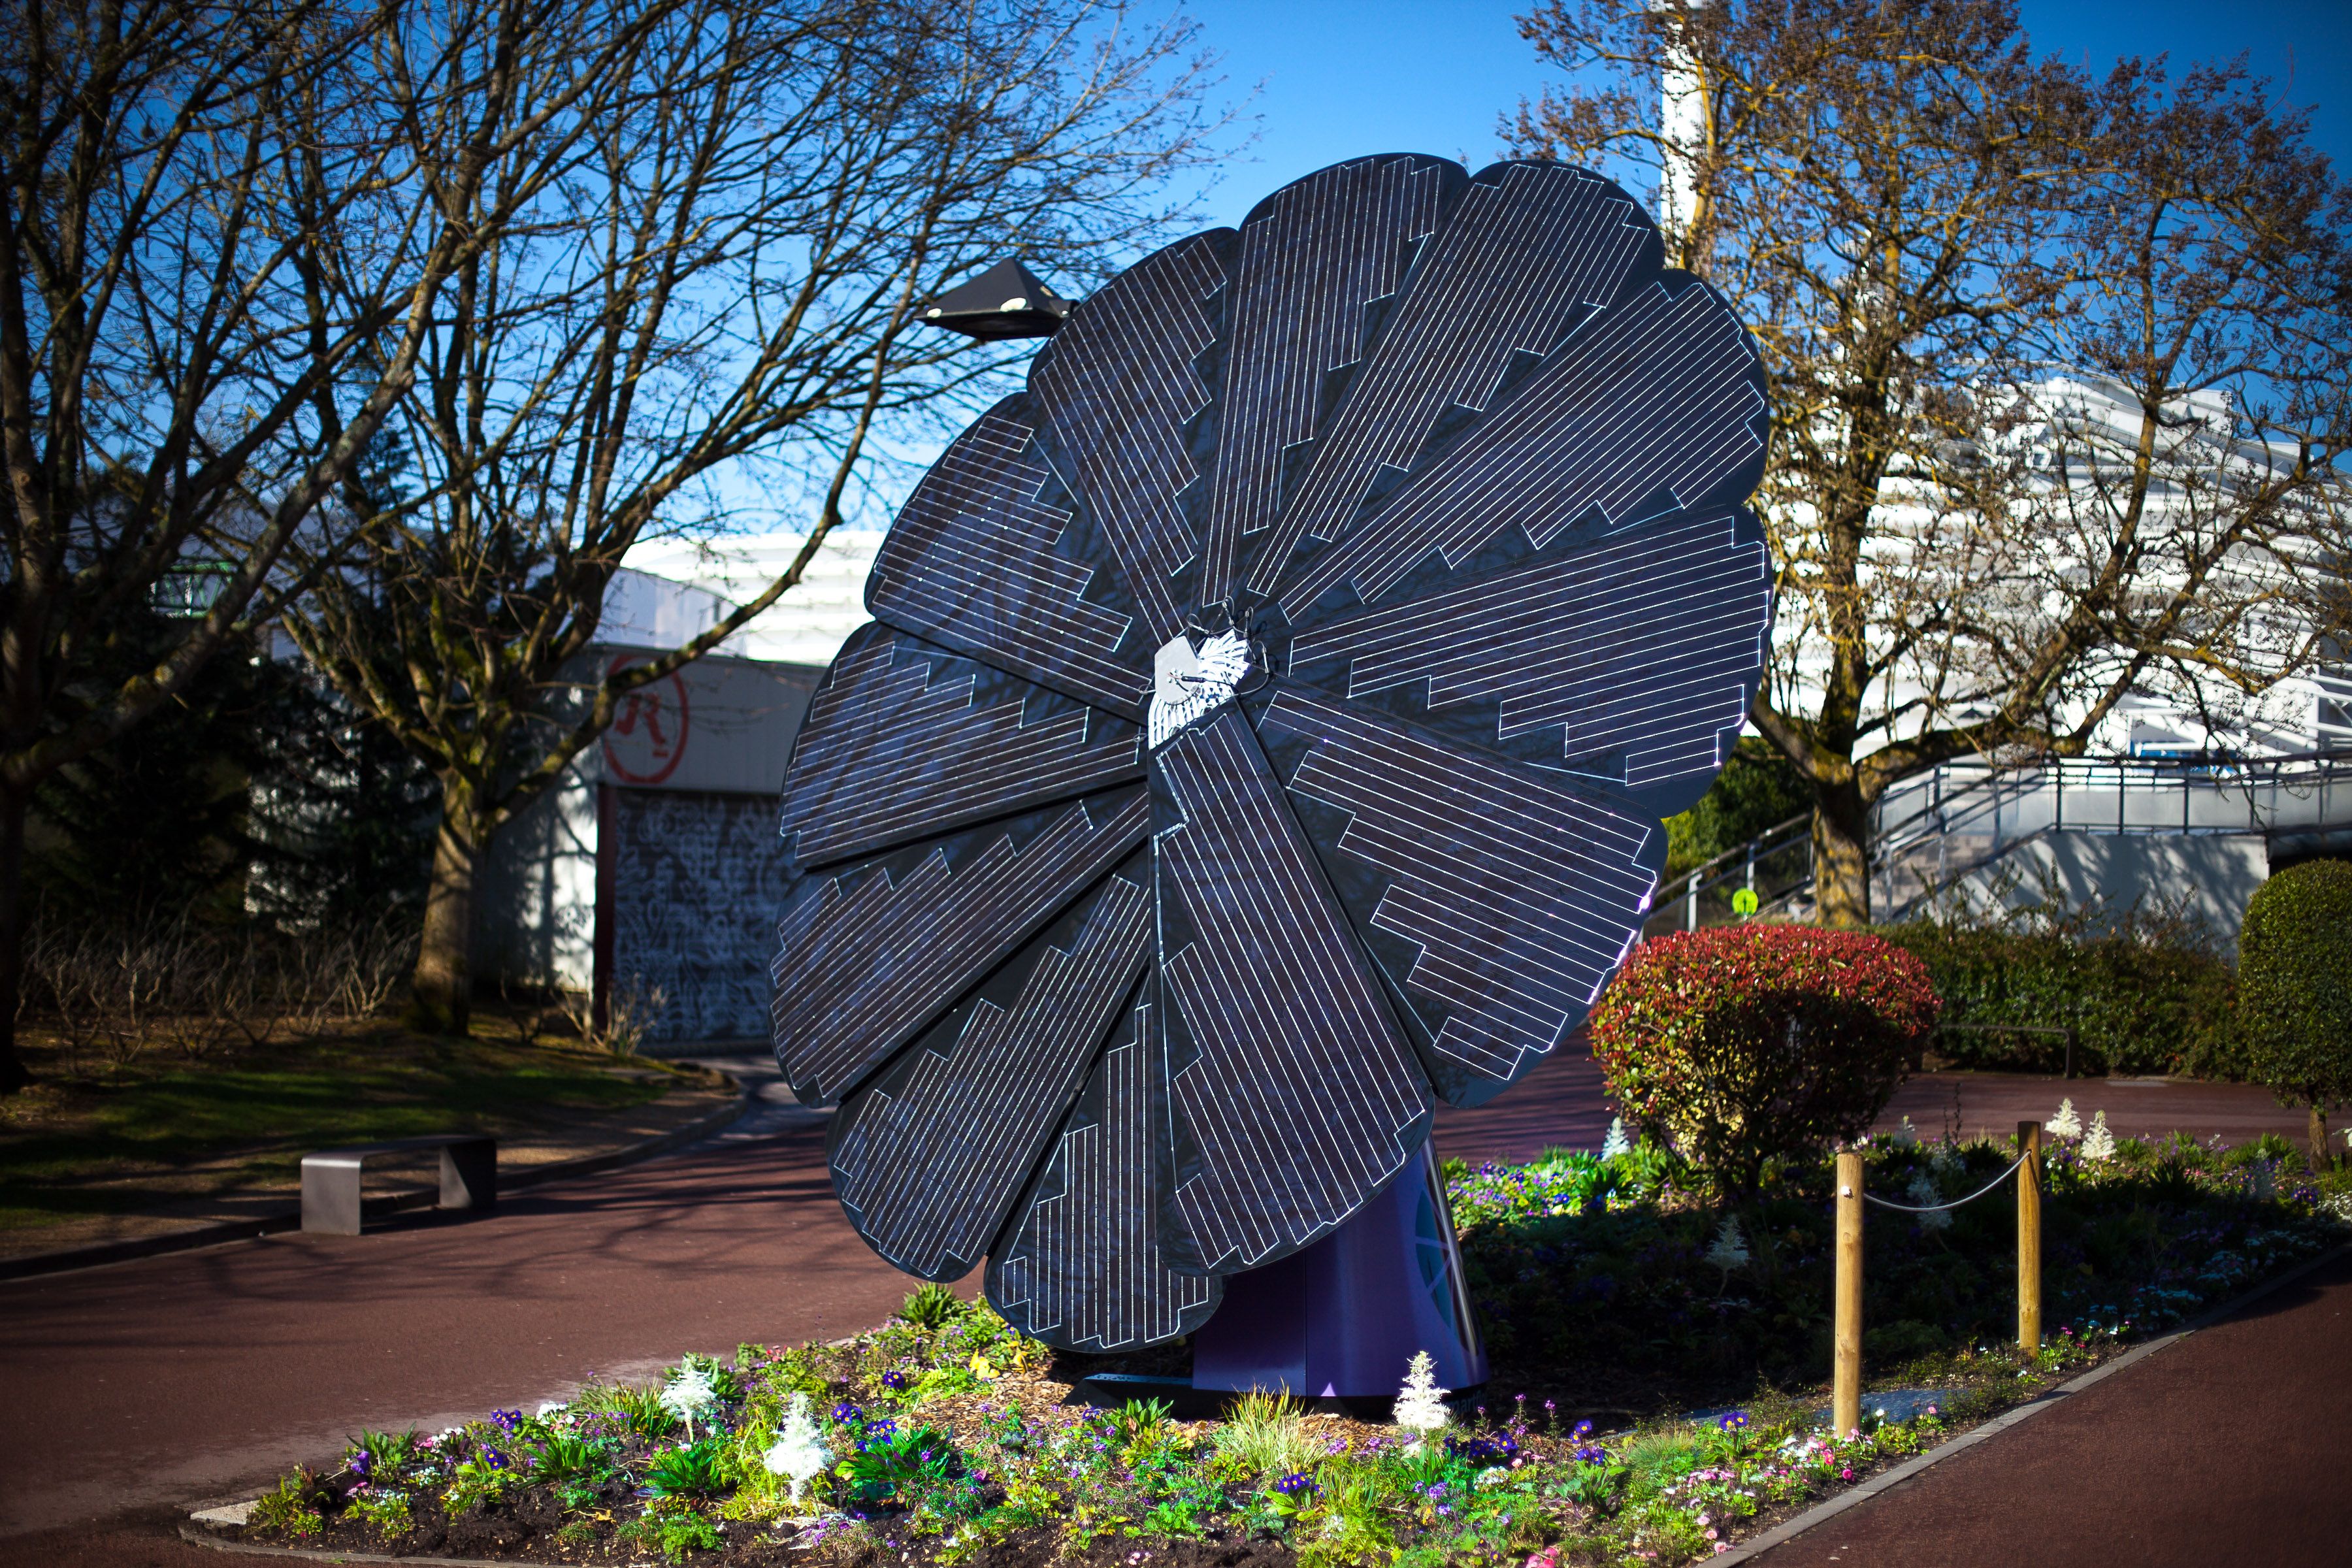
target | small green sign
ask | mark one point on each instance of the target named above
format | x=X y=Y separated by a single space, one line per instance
x=1743 y=902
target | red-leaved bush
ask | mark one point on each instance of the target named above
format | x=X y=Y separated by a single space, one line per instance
x=1745 y=1043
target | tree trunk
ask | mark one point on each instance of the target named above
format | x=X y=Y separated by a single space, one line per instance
x=13 y=804
x=1840 y=856
x=441 y=993
x=2319 y=1138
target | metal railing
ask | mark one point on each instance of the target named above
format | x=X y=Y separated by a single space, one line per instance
x=1939 y=824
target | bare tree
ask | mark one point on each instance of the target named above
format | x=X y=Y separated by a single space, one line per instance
x=736 y=278
x=206 y=226
x=1948 y=252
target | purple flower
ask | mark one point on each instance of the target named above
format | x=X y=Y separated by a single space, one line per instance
x=1584 y=1429
x=1735 y=1421
x=505 y=1420
x=894 y=1380
x=1296 y=1484
x=359 y=1462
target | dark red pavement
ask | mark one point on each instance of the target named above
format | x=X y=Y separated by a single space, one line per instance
x=151 y=1383
x=185 y=1376
x=2232 y=1446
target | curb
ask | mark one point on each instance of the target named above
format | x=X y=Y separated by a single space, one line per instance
x=38 y=1264
x=195 y=1537
x=1822 y=1512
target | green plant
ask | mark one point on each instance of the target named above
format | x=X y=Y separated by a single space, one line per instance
x=386 y=1512
x=932 y=1308
x=1174 y=1519
x=1744 y=1044
x=1265 y=1435
x=695 y=1471
x=386 y=1451
x=891 y=1466
x=291 y=1506
x=476 y=1481
x=674 y=1529
x=1138 y=1422
x=644 y=1412
x=563 y=1458
x=2294 y=989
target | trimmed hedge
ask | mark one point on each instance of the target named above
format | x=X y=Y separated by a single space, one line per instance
x=2295 y=986
x=1741 y=1045
x=2138 y=1007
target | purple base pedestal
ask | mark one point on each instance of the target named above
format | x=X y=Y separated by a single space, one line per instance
x=1341 y=1319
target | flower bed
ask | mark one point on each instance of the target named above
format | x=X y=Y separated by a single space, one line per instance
x=1598 y=1276
x=945 y=1439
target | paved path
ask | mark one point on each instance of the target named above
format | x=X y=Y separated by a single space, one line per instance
x=155 y=1383
x=2228 y=1447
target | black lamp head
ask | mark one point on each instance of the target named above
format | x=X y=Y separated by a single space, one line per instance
x=1006 y=301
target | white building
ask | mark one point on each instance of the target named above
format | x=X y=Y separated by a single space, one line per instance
x=650 y=876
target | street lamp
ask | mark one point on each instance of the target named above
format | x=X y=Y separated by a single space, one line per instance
x=1006 y=301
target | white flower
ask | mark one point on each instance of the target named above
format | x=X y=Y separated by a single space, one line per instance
x=1905 y=1135
x=1731 y=1248
x=2066 y=1124
x=1922 y=1193
x=1494 y=1478
x=1420 y=1403
x=1615 y=1143
x=797 y=1454
x=2098 y=1143
x=688 y=1394
x=551 y=1407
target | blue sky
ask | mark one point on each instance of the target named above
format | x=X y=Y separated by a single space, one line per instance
x=1373 y=75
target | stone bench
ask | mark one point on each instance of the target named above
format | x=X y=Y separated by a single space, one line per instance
x=330 y=1178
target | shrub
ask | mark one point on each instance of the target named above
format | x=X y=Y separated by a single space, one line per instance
x=2294 y=988
x=2137 y=1006
x=1742 y=1045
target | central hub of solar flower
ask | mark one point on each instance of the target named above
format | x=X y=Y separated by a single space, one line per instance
x=1190 y=682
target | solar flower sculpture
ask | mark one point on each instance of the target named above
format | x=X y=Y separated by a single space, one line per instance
x=1262 y=738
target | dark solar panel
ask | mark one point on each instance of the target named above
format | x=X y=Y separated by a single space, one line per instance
x=1313 y=257
x=904 y=740
x=1295 y=1096
x=1408 y=523
x=1080 y=1266
x=1630 y=660
x=929 y=1156
x=1528 y=252
x=870 y=954
x=988 y=557
x=1118 y=389
x=1495 y=901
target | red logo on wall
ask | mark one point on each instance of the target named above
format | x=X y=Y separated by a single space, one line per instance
x=648 y=735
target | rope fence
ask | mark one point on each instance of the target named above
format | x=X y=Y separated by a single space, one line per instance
x=1845 y=1380
x=1956 y=1203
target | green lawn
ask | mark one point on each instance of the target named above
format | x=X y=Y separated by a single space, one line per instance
x=118 y=1140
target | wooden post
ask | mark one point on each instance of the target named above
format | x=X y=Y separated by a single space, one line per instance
x=1845 y=1379
x=2029 y=1237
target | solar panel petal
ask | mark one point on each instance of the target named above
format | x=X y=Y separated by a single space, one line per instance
x=1080 y=1264
x=1628 y=658
x=871 y=953
x=1293 y=1095
x=991 y=556
x=1495 y=900
x=904 y=740
x=930 y=1154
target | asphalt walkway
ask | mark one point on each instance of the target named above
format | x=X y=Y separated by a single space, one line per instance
x=2227 y=1447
